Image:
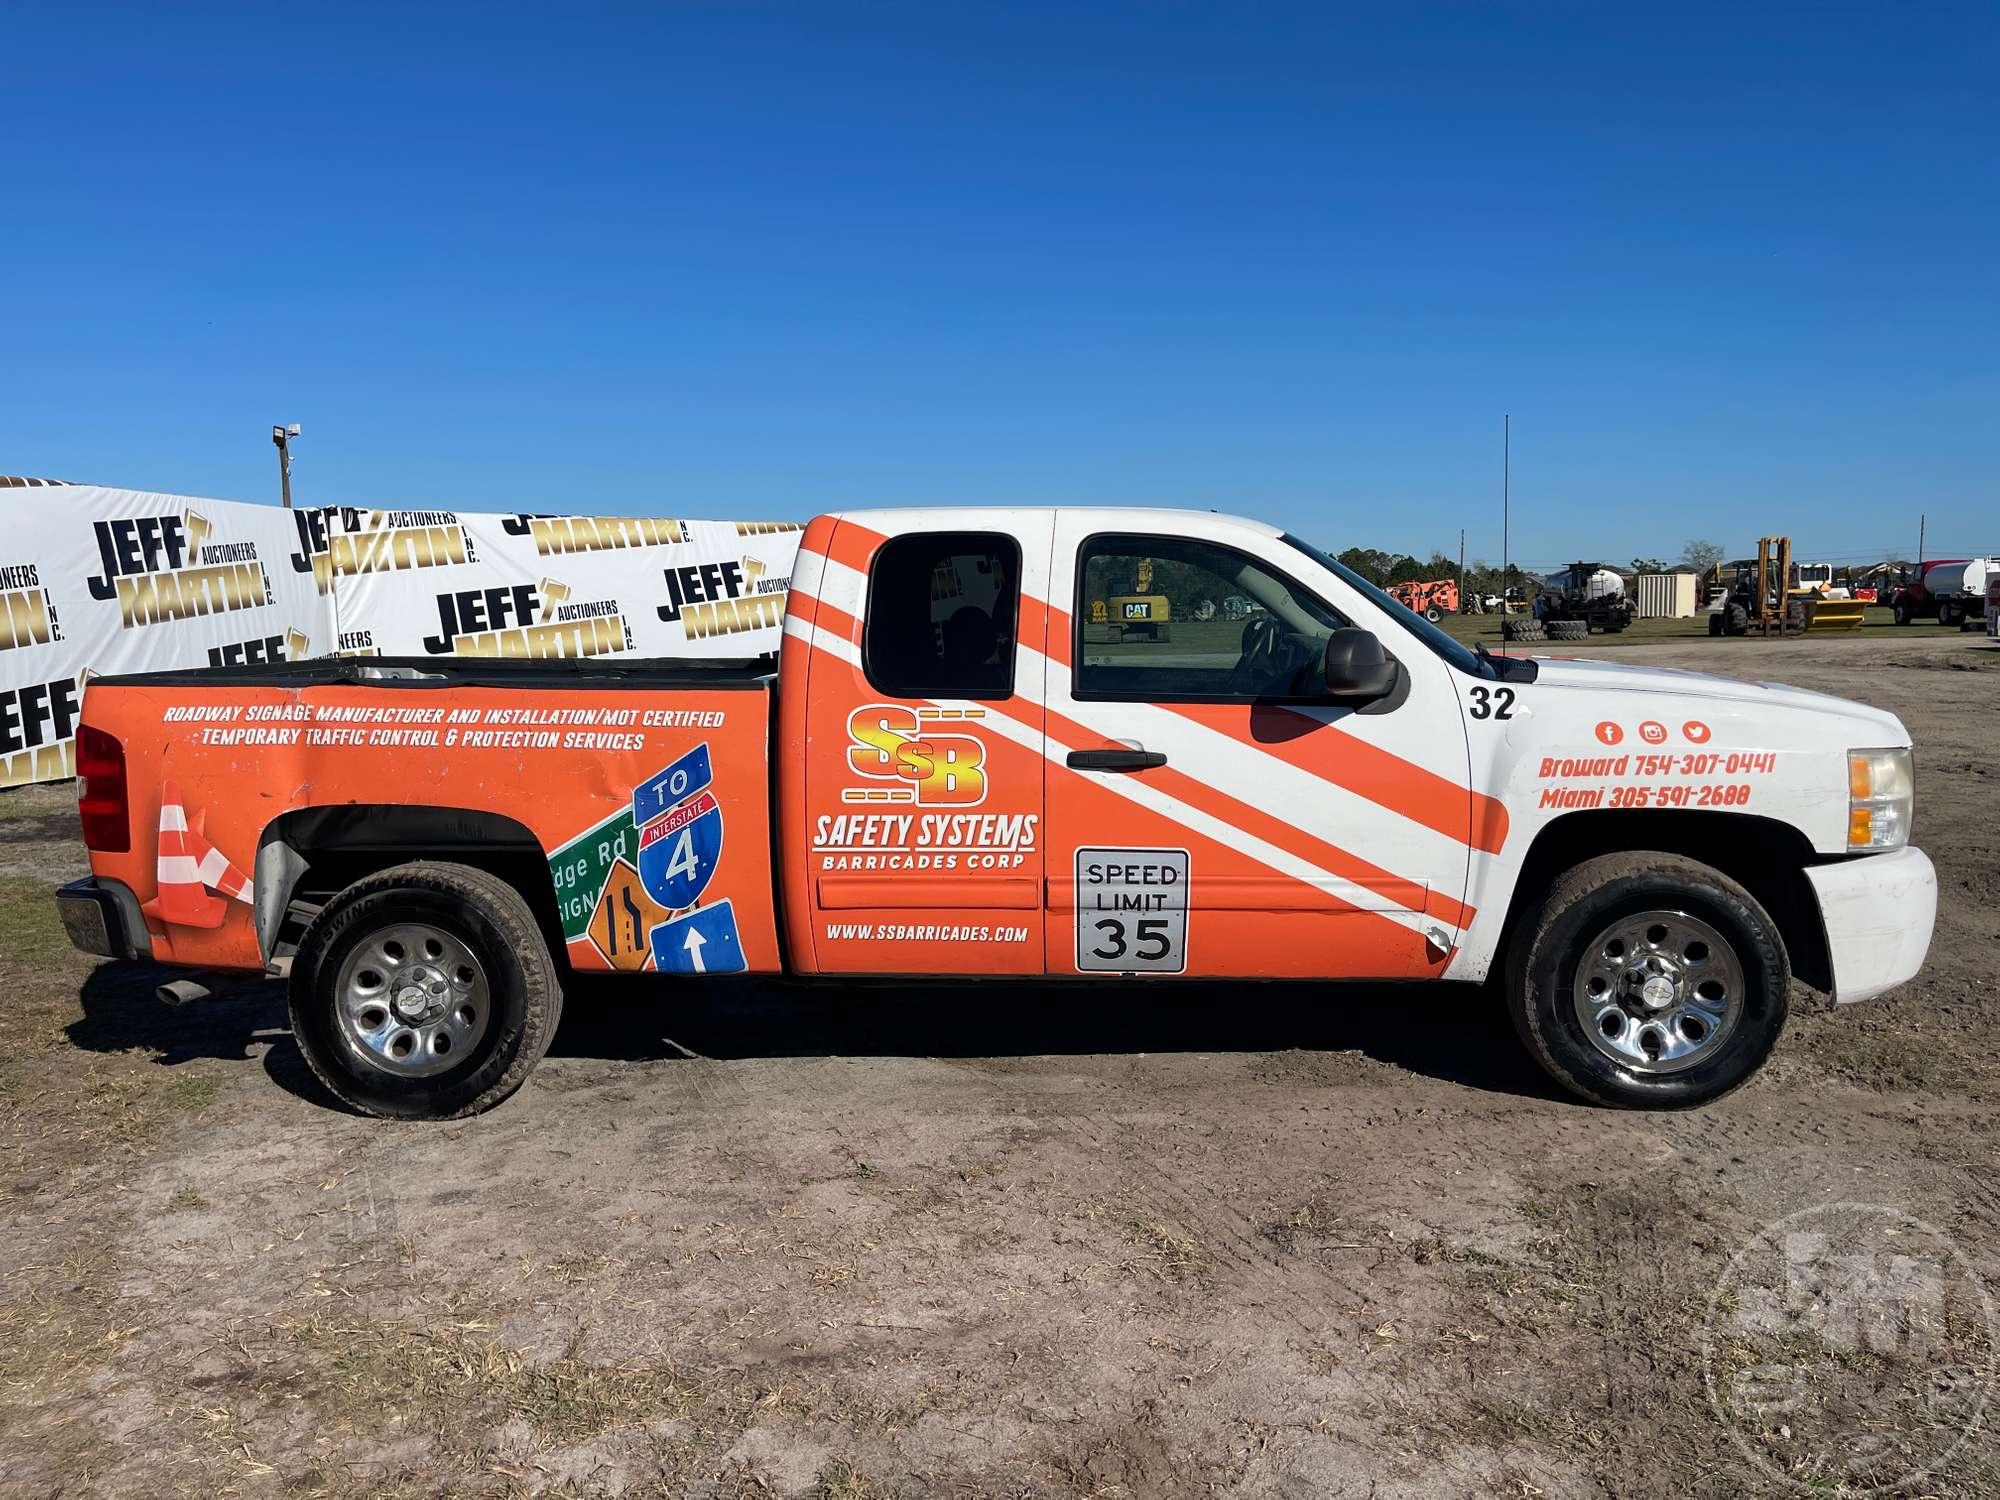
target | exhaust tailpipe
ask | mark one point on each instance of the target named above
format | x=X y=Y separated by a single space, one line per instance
x=181 y=991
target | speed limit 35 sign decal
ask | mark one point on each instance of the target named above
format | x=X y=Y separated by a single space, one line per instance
x=1131 y=910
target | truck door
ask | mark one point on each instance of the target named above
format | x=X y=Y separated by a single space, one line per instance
x=923 y=735
x=1210 y=813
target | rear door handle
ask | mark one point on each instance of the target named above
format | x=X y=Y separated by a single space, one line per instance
x=1115 y=760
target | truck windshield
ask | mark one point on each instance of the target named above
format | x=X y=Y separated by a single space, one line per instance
x=1462 y=657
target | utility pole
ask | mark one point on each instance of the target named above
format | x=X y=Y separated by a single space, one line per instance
x=1922 y=518
x=280 y=437
x=1461 y=570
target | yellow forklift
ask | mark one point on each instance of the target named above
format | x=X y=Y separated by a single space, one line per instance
x=1765 y=597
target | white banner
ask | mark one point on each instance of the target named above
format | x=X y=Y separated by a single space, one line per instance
x=450 y=583
x=96 y=581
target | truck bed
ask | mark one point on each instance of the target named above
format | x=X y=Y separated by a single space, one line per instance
x=624 y=799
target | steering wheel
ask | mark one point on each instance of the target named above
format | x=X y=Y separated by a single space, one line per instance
x=1269 y=662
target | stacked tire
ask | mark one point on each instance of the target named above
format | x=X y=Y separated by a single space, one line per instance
x=1568 y=630
x=1522 y=630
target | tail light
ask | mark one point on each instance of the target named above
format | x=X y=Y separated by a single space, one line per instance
x=100 y=792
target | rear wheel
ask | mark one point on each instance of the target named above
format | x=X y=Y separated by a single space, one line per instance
x=1648 y=980
x=424 y=992
x=1947 y=614
x=1901 y=611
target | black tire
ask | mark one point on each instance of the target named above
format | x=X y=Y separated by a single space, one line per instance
x=522 y=990
x=1947 y=614
x=1715 y=624
x=1433 y=614
x=1522 y=630
x=1736 y=620
x=1901 y=611
x=1549 y=944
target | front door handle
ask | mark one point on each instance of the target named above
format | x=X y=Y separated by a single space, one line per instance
x=1115 y=760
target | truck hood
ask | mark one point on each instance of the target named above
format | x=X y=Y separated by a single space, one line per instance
x=1874 y=726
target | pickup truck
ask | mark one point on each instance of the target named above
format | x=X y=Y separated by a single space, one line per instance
x=947 y=771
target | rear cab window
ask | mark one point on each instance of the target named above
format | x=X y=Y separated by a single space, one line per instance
x=942 y=612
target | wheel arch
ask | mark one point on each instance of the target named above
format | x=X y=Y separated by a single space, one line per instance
x=308 y=854
x=1766 y=857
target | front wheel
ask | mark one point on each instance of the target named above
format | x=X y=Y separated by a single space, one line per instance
x=1648 y=980
x=424 y=992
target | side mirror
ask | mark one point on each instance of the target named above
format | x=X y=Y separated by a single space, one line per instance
x=1357 y=667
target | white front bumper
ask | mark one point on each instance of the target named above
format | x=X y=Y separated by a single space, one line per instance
x=1878 y=911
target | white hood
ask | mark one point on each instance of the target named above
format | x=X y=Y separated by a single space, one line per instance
x=1598 y=676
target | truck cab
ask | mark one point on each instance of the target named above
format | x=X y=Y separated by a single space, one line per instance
x=955 y=770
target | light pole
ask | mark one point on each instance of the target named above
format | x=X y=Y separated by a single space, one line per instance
x=279 y=436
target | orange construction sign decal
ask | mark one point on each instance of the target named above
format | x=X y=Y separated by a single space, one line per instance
x=624 y=920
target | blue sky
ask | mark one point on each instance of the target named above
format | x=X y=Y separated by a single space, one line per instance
x=1730 y=269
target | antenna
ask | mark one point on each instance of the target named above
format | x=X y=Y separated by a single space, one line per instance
x=1506 y=515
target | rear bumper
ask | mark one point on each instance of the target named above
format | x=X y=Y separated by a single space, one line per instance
x=102 y=917
x=1878 y=912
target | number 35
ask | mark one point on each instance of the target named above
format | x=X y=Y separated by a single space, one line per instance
x=1147 y=930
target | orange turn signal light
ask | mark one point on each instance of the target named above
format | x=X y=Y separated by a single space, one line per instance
x=1860 y=828
x=1860 y=784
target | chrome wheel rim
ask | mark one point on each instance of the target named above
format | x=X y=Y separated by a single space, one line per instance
x=413 y=1000
x=1658 y=991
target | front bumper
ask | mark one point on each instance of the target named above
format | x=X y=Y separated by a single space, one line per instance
x=102 y=917
x=1878 y=912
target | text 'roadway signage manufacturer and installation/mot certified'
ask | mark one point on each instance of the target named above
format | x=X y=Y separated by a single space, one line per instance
x=1131 y=910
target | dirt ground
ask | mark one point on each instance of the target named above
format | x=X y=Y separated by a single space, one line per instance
x=982 y=1241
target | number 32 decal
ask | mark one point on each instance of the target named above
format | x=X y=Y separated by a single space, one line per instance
x=1491 y=703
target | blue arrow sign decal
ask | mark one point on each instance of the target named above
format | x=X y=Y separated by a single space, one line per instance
x=701 y=942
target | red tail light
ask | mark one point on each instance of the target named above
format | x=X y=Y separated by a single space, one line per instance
x=100 y=792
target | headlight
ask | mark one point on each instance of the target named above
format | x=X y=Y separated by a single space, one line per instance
x=1881 y=793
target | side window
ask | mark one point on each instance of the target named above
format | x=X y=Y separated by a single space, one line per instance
x=941 y=612
x=1161 y=618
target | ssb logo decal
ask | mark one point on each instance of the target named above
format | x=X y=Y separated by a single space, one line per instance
x=901 y=747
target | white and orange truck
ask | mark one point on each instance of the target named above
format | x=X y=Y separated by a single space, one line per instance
x=957 y=781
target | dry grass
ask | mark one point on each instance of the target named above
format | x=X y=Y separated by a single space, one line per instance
x=1166 y=1252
